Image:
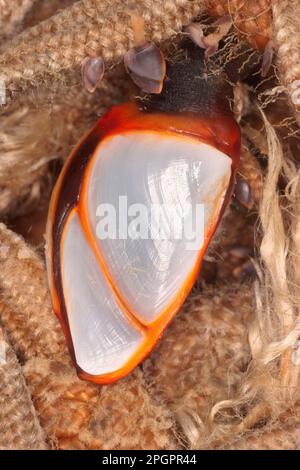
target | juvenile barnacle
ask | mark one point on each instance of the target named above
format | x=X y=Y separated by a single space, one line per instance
x=209 y=42
x=92 y=70
x=243 y=193
x=144 y=62
x=267 y=58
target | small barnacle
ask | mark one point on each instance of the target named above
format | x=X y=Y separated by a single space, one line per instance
x=144 y=62
x=294 y=89
x=245 y=271
x=239 y=251
x=267 y=59
x=211 y=41
x=92 y=70
x=243 y=193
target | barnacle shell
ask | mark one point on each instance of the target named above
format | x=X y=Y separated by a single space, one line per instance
x=146 y=66
x=115 y=295
x=92 y=71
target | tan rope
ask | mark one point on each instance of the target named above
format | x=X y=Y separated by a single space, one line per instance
x=23 y=281
x=12 y=13
x=19 y=425
x=202 y=356
x=43 y=126
x=50 y=49
x=251 y=18
x=276 y=249
x=222 y=396
x=46 y=51
x=75 y=414
x=286 y=36
x=271 y=383
x=282 y=434
x=79 y=415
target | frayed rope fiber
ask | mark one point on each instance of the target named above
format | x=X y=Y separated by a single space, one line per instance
x=286 y=37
